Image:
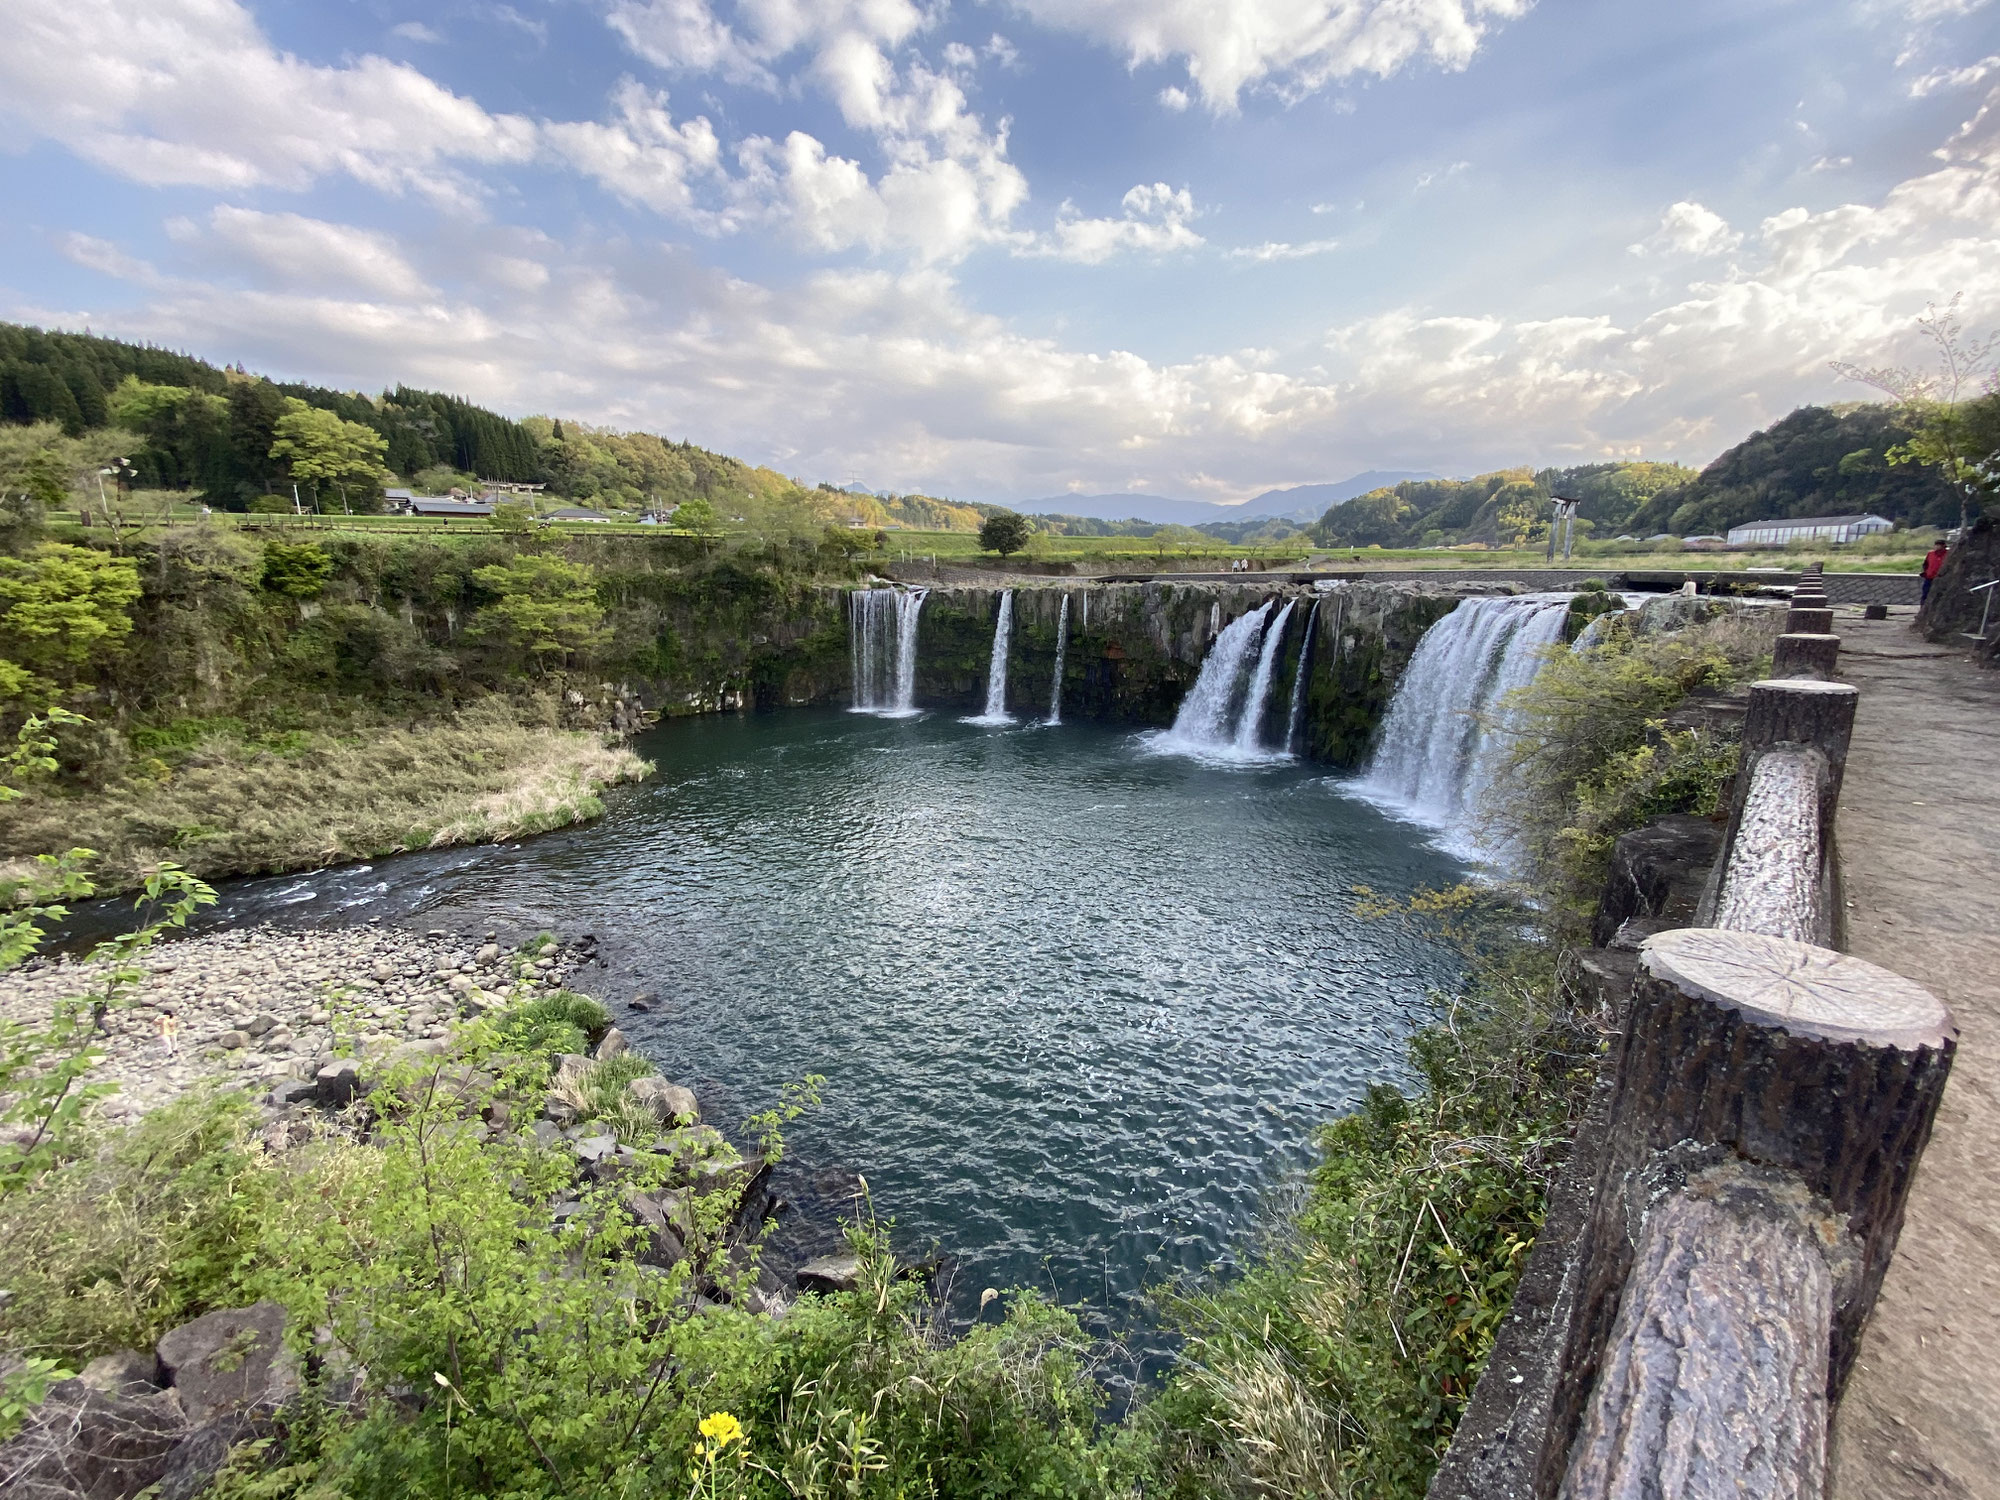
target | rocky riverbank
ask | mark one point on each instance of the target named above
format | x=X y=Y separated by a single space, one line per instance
x=262 y=1007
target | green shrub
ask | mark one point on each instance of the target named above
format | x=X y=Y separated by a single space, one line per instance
x=553 y=1024
x=111 y=1250
x=1589 y=757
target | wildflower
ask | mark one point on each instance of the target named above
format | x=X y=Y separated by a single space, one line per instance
x=721 y=1429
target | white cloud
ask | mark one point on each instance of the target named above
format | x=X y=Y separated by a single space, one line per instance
x=1442 y=174
x=94 y=254
x=893 y=374
x=946 y=185
x=1174 y=98
x=1292 y=46
x=1281 y=250
x=641 y=154
x=293 y=250
x=416 y=31
x=1688 y=228
x=1955 y=78
x=1155 y=222
x=189 y=93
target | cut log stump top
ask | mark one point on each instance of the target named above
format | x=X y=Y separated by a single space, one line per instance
x=1806 y=685
x=1798 y=988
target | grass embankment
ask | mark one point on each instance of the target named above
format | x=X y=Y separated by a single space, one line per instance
x=222 y=799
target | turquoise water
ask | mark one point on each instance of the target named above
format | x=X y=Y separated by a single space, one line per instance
x=1079 y=1007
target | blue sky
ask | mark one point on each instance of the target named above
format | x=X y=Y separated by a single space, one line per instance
x=1001 y=250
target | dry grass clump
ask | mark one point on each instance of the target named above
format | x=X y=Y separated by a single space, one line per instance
x=230 y=808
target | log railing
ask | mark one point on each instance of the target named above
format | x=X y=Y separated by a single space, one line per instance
x=1713 y=1248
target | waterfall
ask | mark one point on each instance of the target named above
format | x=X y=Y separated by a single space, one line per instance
x=1062 y=651
x=882 y=644
x=1295 y=720
x=996 y=666
x=1446 y=726
x=1250 y=727
x=1221 y=714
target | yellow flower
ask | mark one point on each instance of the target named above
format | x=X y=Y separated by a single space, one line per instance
x=722 y=1429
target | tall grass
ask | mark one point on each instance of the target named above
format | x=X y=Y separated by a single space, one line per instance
x=227 y=806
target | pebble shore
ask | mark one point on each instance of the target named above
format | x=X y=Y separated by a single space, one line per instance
x=264 y=1005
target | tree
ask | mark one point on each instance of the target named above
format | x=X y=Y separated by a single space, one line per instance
x=545 y=607
x=299 y=572
x=1003 y=532
x=697 y=516
x=60 y=605
x=186 y=432
x=513 y=517
x=321 y=447
x=1937 y=403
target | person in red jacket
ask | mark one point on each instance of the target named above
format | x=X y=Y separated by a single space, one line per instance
x=1933 y=564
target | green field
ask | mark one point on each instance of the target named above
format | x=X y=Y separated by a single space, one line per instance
x=145 y=512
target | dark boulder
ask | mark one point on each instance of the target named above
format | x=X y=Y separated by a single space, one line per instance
x=336 y=1084
x=129 y=1372
x=230 y=1361
x=197 y=1458
x=1657 y=871
x=85 y=1444
x=830 y=1273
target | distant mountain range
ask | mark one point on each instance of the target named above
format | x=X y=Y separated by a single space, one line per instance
x=1302 y=502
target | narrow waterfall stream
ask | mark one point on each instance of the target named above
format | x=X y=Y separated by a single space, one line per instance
x=996 y=666
x=1250 y=727
x=1222 y=714
x=1444 y=734
x=883 y=645
x=1062 y=654
x=1295 y=718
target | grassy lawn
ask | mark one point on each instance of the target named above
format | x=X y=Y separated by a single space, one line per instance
x=145 y=511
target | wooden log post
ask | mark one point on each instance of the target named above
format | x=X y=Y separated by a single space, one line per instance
x=1715 y=1381
x=1773 y=876
x=1794 y=713
x=1808 y=619
x=1799 y=711
x=1804 y=654
x=1746 y=1049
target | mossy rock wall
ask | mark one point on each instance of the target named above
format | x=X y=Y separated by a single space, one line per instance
x=1136 y=648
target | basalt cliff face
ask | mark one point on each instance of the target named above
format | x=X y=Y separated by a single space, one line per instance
x=1134 y=649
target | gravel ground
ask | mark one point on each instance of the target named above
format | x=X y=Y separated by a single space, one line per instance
x=262 y=1005
x=1919 y=826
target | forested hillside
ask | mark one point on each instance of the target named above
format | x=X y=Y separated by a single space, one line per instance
x=182 y=423
x=1507 y=508
x=1818 y=461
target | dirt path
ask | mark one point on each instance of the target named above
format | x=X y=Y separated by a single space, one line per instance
x=1919 y=835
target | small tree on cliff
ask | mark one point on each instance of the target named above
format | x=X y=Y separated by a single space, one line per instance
x=546 y=609
x=1003 y=533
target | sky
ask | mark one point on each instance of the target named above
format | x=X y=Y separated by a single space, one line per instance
x=1003 y=249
